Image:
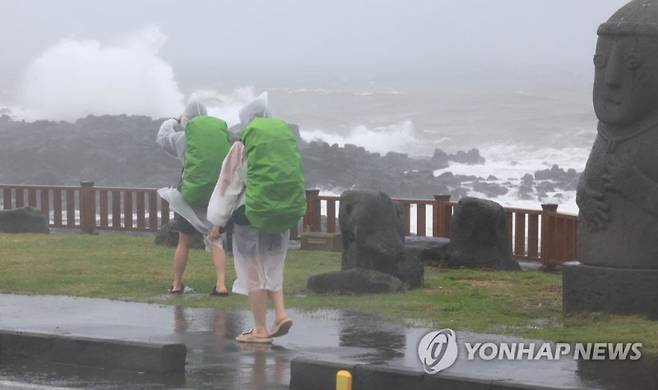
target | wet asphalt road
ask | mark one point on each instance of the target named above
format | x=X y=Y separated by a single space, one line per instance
x=215 y=360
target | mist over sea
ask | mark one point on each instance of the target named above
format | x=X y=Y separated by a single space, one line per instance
x=517 y=131
x=519 y=127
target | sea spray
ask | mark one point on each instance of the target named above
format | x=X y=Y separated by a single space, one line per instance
x=396 y=137
x=74 y=78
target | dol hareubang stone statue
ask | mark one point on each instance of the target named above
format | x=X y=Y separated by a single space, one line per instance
x=618 y=191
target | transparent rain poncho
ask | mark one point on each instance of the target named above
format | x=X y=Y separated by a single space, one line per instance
x=259 y=259
x=196 y=217
x=259 y=256
x=172 y=139
x=257 y=108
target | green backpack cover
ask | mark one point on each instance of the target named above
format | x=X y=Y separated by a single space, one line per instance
x=206 y=145
x=275 y=197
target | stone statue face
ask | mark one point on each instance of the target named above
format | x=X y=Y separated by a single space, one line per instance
x=626 y=78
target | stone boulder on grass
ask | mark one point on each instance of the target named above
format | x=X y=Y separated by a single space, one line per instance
x=23 y=220
x=354 y=281
x=373 y=240
x=478 y=236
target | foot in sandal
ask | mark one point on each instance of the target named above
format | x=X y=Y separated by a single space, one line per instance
x=281 y=327
x=175 y=291
x=249 y=337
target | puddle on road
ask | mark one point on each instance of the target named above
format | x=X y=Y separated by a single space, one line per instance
x=215 y=360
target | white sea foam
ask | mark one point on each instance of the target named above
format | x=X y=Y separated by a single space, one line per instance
x=507 y=162
x=398 y=137
x=304 y=90
x=74 y=78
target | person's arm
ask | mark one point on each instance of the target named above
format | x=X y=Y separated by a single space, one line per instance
x=228 y=191
x=171 y=139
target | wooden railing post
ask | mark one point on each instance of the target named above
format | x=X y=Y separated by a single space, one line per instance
x=421 y=223
x=519 y=234
x=331 y=216
x=406 y=210
x=312 y=218
x=294 y=232
x=6 y=198
x=549 y=235
x=441 y=215
x=87 y=207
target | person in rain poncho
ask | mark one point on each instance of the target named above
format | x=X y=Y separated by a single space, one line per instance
x=193 y=130
x=261 y=189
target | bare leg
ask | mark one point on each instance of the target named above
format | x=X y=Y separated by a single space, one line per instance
x=180 y=260
x=219 y=259
x=258 y=302
x=279 y=306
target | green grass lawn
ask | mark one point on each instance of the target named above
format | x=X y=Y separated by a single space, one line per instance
x=132 y=268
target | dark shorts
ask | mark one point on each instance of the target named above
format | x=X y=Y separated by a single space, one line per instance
x=181 y=225
x=239 y=217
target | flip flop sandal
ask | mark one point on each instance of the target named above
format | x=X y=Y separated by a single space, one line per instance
x=281 y=328
x=181 y=290
x=249 y=337
x=216 y=293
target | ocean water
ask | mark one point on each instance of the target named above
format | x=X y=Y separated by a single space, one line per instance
x=517 y=131
x=520 y=125
x=416 y=122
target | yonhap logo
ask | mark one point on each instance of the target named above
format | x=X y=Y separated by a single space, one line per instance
x=438 y=350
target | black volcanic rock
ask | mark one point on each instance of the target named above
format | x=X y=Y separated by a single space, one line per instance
x=374 y=257
x=354 y=281
x=120 y=150
x=527 y=179
x=440 y=159
x=109 y=150
x=525 y=191
x=373 y=237
x=352 y=167
x=472 y=157
x=23 y=220
x=556 y=173
x=478 y=236
x=545 y=187
x=491 y=190
x=449 y=176
x=559 y=178
x=430 y=250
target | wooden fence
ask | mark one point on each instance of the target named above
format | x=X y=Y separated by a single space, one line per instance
x=543 y=235
x=90 y=208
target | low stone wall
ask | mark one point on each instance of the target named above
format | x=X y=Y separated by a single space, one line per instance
x=308 y=373
x=99 y=353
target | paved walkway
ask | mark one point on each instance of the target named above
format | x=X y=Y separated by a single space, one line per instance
x=216 y=361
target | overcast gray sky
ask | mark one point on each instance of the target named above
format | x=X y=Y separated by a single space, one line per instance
x=287 y=41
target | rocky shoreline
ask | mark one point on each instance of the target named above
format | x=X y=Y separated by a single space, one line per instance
x=120 y=150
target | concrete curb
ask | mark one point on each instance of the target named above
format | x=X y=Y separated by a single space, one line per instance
x=317 y=375
x=89 y=352
x=309 y=373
